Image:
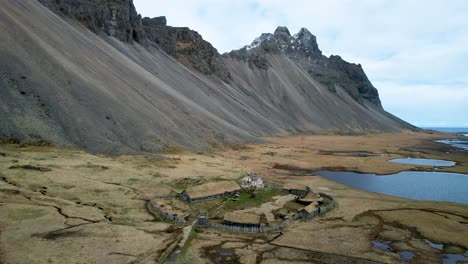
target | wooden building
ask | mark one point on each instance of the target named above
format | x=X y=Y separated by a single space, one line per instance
x=242 y=219
x=309 y=198
x=210 y=191
x=309 y=211
x=296 y=189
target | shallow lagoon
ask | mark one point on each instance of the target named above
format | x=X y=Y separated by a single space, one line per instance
x=435 y=186
x=407 y=256
x=462 y=144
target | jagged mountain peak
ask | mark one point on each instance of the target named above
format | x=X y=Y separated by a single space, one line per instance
x=303 y=43
x=258 y=41
x=307 y=40
x=303 y=31
x=303 y=48
x=305 y=35
x=282 y=31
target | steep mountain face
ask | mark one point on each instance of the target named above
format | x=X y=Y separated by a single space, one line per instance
x=119 y=19
x=95 y=75
x=116 y=18
x=302 y=48
x=186 y=45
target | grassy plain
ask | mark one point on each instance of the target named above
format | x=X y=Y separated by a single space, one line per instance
x=84 y=208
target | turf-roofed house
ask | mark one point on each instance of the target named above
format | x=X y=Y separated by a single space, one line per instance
x=296 y=189
x=242 y=219
x=210 y=191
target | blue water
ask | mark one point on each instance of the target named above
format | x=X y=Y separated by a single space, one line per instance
x=458 y=143
x=424 y=162
x=409 y=255
x=435 y=186
x=406 y=255
x=453 y=258
x=462 y=144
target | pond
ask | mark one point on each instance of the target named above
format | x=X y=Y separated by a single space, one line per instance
x=406 y=255
x=424 y=162
x=434 y=186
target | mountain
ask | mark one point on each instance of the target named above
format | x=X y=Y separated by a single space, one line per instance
x=98 y=76
x=333 y=73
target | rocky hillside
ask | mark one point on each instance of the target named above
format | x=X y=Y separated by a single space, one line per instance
x=334 y=73
x=117 y=19
x=95 y=75
x=186 y=45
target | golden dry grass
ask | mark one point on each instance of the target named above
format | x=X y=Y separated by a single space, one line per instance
x=91 y=207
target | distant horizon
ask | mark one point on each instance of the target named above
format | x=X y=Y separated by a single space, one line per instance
x=457 y=130
x=444 y=126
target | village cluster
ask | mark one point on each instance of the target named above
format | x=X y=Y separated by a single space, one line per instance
x=308 y=204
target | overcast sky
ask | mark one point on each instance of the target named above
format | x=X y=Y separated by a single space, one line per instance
x=415 y=52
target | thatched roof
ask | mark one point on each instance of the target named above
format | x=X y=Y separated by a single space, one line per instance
x=310 y=208
x=311 y=197
x=212 y=188
x=295 y=186
x=242 y=218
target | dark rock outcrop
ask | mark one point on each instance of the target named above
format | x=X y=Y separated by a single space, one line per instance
x=119 y=19
x=185 y=45
x=116 y=18
x=155 y=21
x=302 y=47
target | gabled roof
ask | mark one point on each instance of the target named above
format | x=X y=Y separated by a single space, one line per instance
x=212 y=188
x=242 y=218
x=310 y=208
x=311 y=197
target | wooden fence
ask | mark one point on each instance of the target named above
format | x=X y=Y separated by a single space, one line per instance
x=244 y=229
x=167 y=216
x=172 y=195
x=293 y=218
x=275 y=229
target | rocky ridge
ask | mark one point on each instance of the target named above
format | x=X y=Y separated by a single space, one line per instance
x=302 y=47
x=119 y=19
x=116 y=18
x=184 y=44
